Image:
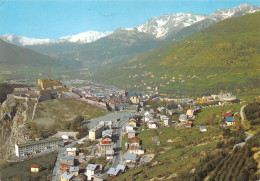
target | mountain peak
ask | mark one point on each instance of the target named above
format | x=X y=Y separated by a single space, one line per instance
x=159 y=27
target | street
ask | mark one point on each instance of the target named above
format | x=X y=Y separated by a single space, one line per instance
x=123 y=116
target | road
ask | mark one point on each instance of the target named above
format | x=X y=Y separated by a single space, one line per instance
x=118 y=149
x=123 y=116
x=242 y=121
x=242 y=114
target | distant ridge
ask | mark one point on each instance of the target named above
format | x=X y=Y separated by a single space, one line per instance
x=224 y=56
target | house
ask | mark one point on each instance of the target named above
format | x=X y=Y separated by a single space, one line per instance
x=108 y=132
x=91 y=170
x=66 y=176
x=131 y=134
x=96 y=132
x=188 y=124
x=135 y=146
x=133 y=97
x=148 y=118
x=105 y=144
x=71 y=151
x=183 y=118
x=113 y=172
x=132 y=122
x=109 y=154
x=74 y=170
x=129 y=127
x=35 y=168
x=147 y=113
x=229 y=120
x=228 y=114
x=121 y=167
x=190 y=112
x=152 y=125
x=65 y=136
x=131 y=158
x=203 y=129
x=135 y=143
x=166 y=121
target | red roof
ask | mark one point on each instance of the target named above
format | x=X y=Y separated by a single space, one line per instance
x=34 y=166
x=228 y=114
x=135 y=139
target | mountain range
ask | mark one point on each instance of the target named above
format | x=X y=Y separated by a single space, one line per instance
x=25 y=62
x=223 y=57
x=97 y=50
x=85 y=37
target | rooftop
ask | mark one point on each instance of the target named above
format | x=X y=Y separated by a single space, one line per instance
x=113 y=171
x=120 y=167
x=74 y=169
x=92 y=166
x=67 y=175
x=66 y=157
x=39 y=142
x=230 y=119
x=34 y=166
x=71 y=149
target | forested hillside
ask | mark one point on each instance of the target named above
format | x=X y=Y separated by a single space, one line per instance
x=224 y=56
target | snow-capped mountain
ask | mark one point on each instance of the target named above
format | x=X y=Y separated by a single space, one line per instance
x=86 y=37
x=157 y=28
x=161 y=26
x=234 y=12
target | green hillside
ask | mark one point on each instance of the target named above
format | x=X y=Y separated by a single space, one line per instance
x=224 y=56
x=26 y=63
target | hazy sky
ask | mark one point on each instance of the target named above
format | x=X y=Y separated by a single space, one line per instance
x=58 y=18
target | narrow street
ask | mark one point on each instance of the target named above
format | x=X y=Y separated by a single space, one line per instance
x=123 y=116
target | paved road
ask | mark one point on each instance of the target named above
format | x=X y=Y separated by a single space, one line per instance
x=123 y=116
x=117 y=147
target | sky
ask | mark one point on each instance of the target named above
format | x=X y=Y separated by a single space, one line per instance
x=58 y=18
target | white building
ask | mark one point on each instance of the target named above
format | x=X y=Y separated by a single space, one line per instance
x=91 y=170
x=152 y=125
x=71 y=151
x=109 y=154
x=37 y=146
x=203 y=129
x=190 y=113
x=129 y=128
x=65 y=136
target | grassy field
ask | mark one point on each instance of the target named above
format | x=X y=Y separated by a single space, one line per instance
x=21 y=171
x=179 y=151
x=59 y=111
x=214 y=115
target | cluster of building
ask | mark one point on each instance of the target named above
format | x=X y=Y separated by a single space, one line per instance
x=46 y=89
x=104 y=133
x=113 y=99
x=220 y=97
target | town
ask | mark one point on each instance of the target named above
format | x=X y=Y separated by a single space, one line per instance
x=110 y=147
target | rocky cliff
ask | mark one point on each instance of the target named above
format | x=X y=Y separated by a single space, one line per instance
x=12 y=125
